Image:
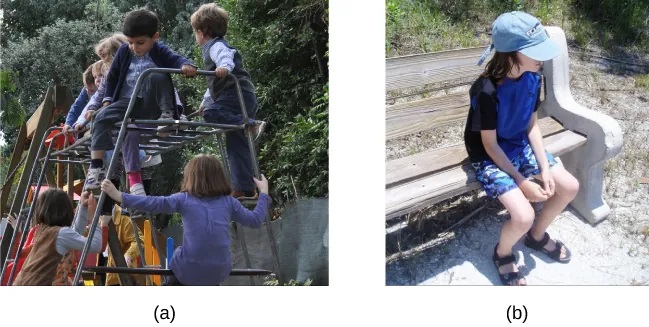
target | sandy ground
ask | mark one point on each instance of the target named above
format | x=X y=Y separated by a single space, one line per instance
x=614 y=252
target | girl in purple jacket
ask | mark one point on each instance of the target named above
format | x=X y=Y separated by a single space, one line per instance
x=207 y=208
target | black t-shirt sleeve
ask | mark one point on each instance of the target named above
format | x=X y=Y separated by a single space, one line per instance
x=488 y=112
x=538 y=100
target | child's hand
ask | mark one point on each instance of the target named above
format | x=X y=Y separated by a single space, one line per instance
x=532 y=191
x=67 y=128
x=105 y=104
x=548 y=182
x=188 y=70
x=85 y=197
x=11 y=219
x=78 y=128
x=201 y=108
x=128 y=260
x=262 y=184
x=110 y=190
x=221 y=72
x=92 y=207
x=89 y=114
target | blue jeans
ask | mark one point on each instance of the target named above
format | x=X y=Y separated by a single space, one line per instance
x=227 y=110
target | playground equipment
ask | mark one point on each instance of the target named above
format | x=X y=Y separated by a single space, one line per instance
x=159 y=136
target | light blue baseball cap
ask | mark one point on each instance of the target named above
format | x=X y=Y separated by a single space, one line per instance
x=520 y=31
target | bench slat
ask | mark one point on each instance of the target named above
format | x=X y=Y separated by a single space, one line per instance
x=422 y=192
x=429 y=68
x=428 y=162
x=415 y=116
x=417 y=123
x=426 y=105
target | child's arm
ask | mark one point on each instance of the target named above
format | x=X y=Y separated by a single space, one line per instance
x=71 y=239
x=154 y=204
x=496 y=153
x=77 y=107
x=536 y=143
x=253 y=218
x=95 y=100
x=113 y=73
x=223 y=57
x=256 y=217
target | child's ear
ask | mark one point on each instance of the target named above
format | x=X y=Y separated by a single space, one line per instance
x=156 y=36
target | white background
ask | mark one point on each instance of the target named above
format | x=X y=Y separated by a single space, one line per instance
x=357 y=295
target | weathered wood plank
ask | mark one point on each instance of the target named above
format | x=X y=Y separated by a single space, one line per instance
x=445 y=184
x=429 y=68
x=426 y=105
x=425 y=121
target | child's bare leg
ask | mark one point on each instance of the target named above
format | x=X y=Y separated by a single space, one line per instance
x=566 y=187
x=97 y=154
x=522 y=217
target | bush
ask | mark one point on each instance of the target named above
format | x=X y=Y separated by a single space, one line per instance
x=297 y=157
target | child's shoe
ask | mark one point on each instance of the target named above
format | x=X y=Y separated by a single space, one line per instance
x=245 y=195
x=95 y=177
x=167 y=115
x=137 y=189
x=151 y=161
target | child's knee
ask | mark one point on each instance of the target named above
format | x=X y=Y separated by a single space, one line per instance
x=569 y=186
x=523 y=218
x=158 y=78
x=572 y=187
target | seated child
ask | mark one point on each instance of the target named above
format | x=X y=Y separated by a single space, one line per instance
x=88 y=90
x=54 y=238
x=154 y=100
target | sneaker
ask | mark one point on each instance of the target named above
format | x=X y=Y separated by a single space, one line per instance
x=95 y=177
x=183 y=118
x=245 y=195
x=167 y=115
x=137 y=189
x=165 y=130
x=151 y=161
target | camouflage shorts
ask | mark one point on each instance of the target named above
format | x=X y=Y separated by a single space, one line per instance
x=497 y=182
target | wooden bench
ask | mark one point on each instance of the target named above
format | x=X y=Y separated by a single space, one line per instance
x=429 y=92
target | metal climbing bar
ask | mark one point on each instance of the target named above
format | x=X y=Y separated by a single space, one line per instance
x=168 y=272
x=151 y=141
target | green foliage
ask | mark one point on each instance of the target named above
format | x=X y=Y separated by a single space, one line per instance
x=57 y=55
x=436 y=25
x=393 y=11
x=11 y=112
x=298 y=155
x=24 y=18
x=626 y=20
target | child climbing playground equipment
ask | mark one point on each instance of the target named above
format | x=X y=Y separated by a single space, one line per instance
x=156 y=137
